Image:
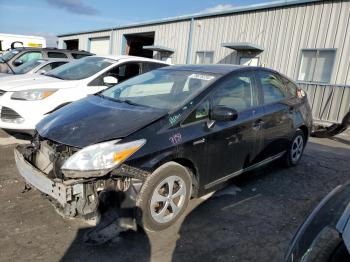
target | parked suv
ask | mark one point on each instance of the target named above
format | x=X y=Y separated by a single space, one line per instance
x=16 y=57
x=37 y=66
x=166 y=136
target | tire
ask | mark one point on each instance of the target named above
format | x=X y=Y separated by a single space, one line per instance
x=293 y=155
x=157 y=207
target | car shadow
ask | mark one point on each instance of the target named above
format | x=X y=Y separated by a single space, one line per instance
x=111 y=239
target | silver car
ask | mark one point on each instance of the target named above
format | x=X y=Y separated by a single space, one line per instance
x=38 y=66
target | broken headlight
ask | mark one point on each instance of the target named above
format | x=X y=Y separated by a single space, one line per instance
x=98 y=159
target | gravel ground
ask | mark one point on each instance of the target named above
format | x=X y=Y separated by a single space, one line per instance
x=254 y=219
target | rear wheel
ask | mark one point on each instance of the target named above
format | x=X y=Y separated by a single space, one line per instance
x=295 y=150
x=164 y=197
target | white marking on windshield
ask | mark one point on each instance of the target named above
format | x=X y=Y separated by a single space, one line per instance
x=202 y=77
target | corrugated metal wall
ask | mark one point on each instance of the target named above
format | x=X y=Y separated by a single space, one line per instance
x=83 y=39
x=172 y=35
x=283 y=32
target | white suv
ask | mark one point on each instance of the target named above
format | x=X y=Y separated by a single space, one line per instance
x=25 y=100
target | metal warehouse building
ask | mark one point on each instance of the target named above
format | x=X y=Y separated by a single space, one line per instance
x=307 y=40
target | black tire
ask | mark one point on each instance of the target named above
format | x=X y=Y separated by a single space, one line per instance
x=289 y=160
x=328 y=247
x=143 y=202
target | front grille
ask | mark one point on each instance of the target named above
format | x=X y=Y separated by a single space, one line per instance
x=2 y=92
x=9 y=114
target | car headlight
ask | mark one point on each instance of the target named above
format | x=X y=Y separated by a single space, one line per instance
x=32 y=94
x=98 y=159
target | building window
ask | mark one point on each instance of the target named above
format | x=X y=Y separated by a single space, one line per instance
x=204 y=57
x=316 y=65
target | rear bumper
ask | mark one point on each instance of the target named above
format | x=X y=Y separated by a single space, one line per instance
x=59 y=191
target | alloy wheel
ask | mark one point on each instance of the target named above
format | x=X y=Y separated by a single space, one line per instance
x=168 y=199
x=297 y=148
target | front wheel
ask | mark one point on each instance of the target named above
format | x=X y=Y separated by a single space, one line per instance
x=164 y=197
x=295 y=149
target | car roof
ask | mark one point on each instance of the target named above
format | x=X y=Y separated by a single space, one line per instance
x=47 y=60
x=214 y=68
x=128 y=57
x=53 y=49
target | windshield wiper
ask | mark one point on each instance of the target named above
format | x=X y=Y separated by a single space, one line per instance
x=131 y=102
x=127 y=101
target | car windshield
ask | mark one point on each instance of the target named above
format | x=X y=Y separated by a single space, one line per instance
x=26 y=67
x=81 y=69
x=163 y=89
x=8 y=55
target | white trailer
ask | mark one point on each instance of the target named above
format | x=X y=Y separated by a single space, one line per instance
x=9 y=41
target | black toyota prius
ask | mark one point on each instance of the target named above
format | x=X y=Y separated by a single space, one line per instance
x=164 y=137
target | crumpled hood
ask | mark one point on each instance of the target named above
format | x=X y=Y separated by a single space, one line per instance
x=95 y=119
x=30 y=81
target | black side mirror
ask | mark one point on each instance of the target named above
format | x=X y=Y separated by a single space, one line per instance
x=17 y=62
x=223 y=113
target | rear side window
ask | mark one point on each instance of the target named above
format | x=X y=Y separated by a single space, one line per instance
x=272 y=87
x=56 y=55
x=78 y=56
x=237 y=93
x=291 y=88
x=51 y=66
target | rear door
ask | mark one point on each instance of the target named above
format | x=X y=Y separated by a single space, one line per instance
x=232 y=145
x=277 y=121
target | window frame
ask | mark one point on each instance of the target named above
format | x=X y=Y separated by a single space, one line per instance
x=20 y=54
x=212 y=89
x=57 y=52
x=113 y=67
x=261 y=91
x=318 y=50
x=204 y=52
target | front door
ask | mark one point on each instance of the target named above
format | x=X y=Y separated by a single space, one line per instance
x=232 y=145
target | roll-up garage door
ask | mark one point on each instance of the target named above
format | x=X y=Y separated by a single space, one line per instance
x=99 y=46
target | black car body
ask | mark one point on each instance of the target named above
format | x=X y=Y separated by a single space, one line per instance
x=325 y=234
x=18 y=56
x=218 y=122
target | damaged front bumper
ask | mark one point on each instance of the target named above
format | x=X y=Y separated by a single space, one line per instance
x=59 y=191
x=79 y=197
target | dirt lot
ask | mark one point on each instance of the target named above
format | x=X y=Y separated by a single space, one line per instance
x=252 y=220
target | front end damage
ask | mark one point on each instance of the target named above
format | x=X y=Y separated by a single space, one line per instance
x=40 y=162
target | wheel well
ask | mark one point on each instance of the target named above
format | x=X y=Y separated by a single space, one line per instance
x=191 y=167
x=305 y=131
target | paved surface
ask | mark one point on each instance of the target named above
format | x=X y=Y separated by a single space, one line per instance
x=253 y=220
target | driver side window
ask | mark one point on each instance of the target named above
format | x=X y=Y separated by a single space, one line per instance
x=29 y=56
x=237 y=93
x=121 y=72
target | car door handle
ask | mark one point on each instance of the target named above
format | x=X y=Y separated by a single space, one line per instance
x=200 y=141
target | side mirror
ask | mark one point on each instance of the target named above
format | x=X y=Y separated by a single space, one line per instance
x=110 y=80
x=41 y=72
x=223 y=113
x=17 y=62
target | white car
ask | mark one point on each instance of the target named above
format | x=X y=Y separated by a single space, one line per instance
x=37 y=66
x=27 y=99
